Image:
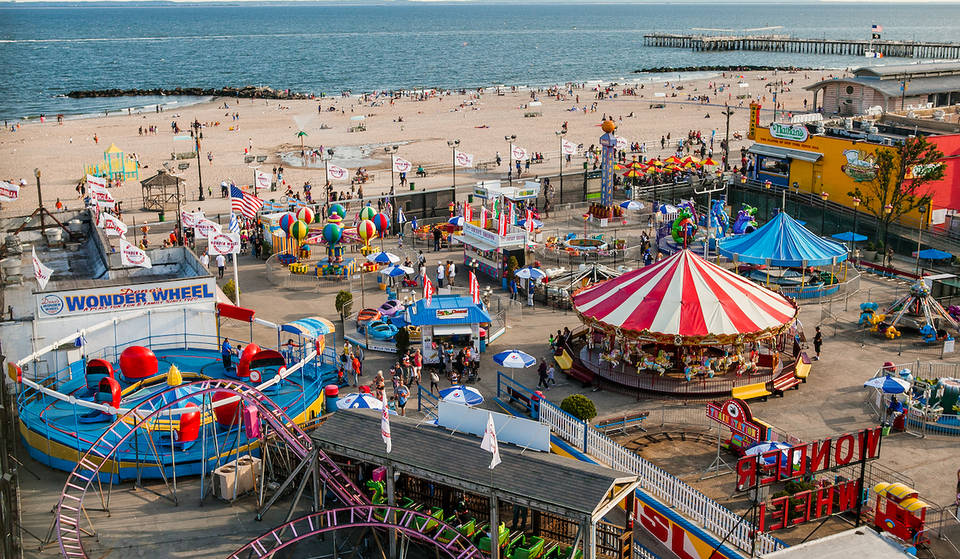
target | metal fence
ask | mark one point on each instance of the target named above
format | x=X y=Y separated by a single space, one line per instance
x=926 y=420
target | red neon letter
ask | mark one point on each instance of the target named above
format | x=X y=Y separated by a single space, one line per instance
x=746 y=472
x=869 y=443
x=778 y=513
x=824 y=503
x=802 y=509
x=655 y=523
x=842 y=456
x=819 y=455
x=847 y=495
x=800 y=461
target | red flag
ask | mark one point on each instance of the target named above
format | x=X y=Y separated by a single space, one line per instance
x=467 y=212
x=474 y=289
x=427 y=290
x=529 y=221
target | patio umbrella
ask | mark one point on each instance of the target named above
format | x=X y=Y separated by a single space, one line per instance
x=530 y=273
x=672 y=160
x=633 y=173
x=631 y=205
x=396 y=271
x=667 y=209
x=888 y=384
x=461 y=394
x=849 y=237
x=709 y=162
x=514 y=359
x=359 y=401
x=932 y=254
x=537 y=224
x=772 y=446
x=655 y=162
x=383 y=258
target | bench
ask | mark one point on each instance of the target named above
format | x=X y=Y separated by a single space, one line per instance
x=517 y=396
x=750 y=391
x=579 y=373
x=624 y=422
x=785 y=382
x=803 y=367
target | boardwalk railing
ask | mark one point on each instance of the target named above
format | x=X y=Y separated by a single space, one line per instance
x=672 y=491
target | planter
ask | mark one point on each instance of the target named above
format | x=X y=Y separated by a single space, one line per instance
x=870 y=255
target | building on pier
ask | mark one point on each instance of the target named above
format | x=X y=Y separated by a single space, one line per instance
x=927 y=86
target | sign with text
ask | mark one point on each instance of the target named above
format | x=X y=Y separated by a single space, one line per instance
x=736 y=415
x=451 y=314
x=135 y=297
x=754 y=120
x=792 y=132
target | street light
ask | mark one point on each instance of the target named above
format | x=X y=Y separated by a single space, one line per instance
x=856 y=214
x=727 y=112
x=560 y=134
x=888 y=209
x=196 y=137
x=796 y=198
x=453 y=146
x=923 y=210
x=391 y=150
x=510 y=139
x=823 y=215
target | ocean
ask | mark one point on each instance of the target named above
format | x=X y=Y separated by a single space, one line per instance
x=47 y=51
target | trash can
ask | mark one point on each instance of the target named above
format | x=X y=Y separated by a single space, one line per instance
x=413 y=185
x=161 y=216
x=483 y=340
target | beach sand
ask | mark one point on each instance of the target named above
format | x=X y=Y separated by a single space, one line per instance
x=271 y=127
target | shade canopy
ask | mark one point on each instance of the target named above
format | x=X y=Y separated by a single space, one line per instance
x=849 y=237
x=888 y=384
x=782 y=241
x=932 y=254
x=685 y=299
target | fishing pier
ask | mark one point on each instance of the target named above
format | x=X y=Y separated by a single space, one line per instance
x=785 y=43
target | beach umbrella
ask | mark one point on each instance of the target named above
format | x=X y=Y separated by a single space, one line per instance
x=667 y=209
x=633 y=173
x=709 y=162
x=460 y=394
x=537 y=224
x=456 y=221
x=382 y=223
x=358 y=401
x=654 y=169
x=299 y=230
x=514 y=359
x=631 y=205
x=396 y=271
x=305 y=214
x=301 y=135
x=771 y=446
x=286 y=220
x=366 y=230
x=655 y=162
x=530 y=273
x=332 y=233
x=888 y=385
x=932 y=254
x=383 y=258
x=690 y=160
x=672 y=160
x=367 y=212
x=339 y=210
x=635 y=165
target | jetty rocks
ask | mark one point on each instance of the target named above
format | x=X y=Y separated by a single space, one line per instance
x=247 y=92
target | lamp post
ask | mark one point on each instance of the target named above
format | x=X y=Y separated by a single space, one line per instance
x=823 y=216
x=560 y=134
x=196 y=137
x=453 y=146
x=326 y=157
x=510 y=139
x=391 y=150
x=40 y=209
x=888 y=209
x=923 y=210
x=796 y=198
x=727 y=112
x=856 y=214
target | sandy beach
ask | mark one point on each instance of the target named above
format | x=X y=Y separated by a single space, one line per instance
x=421 y=129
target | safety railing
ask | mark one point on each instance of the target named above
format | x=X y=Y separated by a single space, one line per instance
x=924 y=420
x=427 y=403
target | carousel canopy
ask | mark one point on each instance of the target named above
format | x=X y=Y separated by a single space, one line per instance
x=685 y=297
x=783 y=241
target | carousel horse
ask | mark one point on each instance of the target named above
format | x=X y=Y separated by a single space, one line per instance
x=746 y=221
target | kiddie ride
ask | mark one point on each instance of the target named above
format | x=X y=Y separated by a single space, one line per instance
x=916 y=310
x=931 y=404
x=689 y=229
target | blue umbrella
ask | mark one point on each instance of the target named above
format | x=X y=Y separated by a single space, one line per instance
x=530 y=273
x=358 y=400
x=383 y=258
x=537 y=224
x=631 y=205
x=771 y=446
x=888 y=384
x=849 y=237
x=456 y=221
x=667 y=209
x=461 y=394
x=514 y=359
x=932 y=254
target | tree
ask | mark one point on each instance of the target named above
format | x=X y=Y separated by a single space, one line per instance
x=898 y=186
x=579 y=406
x=230 y=290
x=343 y=303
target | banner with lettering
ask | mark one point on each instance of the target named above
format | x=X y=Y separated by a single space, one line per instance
x=112 y=226
x=189 y=219
x=205 y=227
x=263 y=179
x=9 y=192
x=337 y=173
x=568 y=147
x=40 y=271
x=463 y=159
x=101 y=195
x=112 y=299
x=133 y=256
x=519 y=154
x=223 y=243
x=401 y=165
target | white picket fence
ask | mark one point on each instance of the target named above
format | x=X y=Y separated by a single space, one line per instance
x=673 y=492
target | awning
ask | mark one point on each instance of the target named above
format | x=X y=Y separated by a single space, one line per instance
x=235 y=312
x=452 y=329
x=775 y=151
x=474 y=242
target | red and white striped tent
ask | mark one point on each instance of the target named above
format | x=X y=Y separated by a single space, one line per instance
x=685 y=300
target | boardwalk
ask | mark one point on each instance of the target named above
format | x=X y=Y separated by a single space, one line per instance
x=785 y=43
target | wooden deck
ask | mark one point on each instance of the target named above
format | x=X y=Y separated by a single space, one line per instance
x=785 y=43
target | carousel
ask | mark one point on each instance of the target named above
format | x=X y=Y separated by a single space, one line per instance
x=684 y=325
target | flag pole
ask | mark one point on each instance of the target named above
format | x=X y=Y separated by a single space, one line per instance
x=236 y=277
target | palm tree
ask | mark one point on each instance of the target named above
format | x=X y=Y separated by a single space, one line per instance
x=300 y=135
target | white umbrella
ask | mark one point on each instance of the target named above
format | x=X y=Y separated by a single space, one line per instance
x=383 y=258
x=358 y=400
x=530 y=273
x=396 y=271
x=461 y=394
x=514 y=359
x=888 y=384
x=632 y=205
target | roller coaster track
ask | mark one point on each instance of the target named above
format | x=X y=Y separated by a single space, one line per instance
x=415 y=524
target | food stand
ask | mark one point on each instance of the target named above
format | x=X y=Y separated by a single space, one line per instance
x=448 y=318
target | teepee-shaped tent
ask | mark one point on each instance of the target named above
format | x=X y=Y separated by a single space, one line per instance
x=919 y=308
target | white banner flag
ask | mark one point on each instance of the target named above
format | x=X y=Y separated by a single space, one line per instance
x=263 y=179
x=223 y=243
x=622 y=143
x=112 y=226
x=489 y=442
x=189 y=219
x=463 y=159
x=41 y=272
x=96 y=181
x=101 y=195
x=568 y=147
x=337 y=173
x=205 y=227
x=385 y=425
x=9 y=192
x=133 y=256
x=519 y=154
x=401 y=165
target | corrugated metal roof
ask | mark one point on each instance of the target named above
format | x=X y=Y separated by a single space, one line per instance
x=559 y=482
x=895 y=70
x=891 y=88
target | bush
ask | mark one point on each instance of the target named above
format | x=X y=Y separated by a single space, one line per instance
x=343 y=303
x=579 y=406
x=403 y=341
x=230 y=290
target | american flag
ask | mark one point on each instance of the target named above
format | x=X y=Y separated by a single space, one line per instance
x=427 y=289
x=246 y=204
x=474 y=288
x=877 y=28
x=234 y=226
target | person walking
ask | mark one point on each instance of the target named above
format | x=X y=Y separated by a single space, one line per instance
x=378 y=385
x=451 y=272
x=221 y=263
x=542 y=374
x=513 y=289
x=205 y=260
x=437 y=235
x=357 y=367
x=434 y=382
x=440 y=273
x=402 y=393
x=817 y=343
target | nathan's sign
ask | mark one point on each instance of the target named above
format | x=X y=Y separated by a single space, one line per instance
x=794 y=133
x=806 y=460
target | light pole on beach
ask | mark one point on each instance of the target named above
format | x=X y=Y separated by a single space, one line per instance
x=391 y=150
x=727 y=112
x=196 y=137
x=453 y=144
x=856 y=214
x=510 y=139
x=560 y=134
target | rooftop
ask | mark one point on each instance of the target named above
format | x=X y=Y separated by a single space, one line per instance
x=896 y=71
x=447 y=309
x=458 y=461
x=858 y=542
x=920 y=85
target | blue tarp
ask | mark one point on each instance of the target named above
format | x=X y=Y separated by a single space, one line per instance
x=933 y=254
x=446 y=309
x=783 y=242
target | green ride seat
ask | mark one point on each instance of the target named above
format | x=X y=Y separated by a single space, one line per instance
x=484 y=543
